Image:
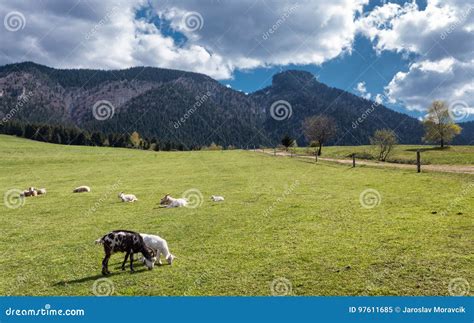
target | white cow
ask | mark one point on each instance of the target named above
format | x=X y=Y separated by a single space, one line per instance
x=127 y=197
x=169 y=201
x=159 y=247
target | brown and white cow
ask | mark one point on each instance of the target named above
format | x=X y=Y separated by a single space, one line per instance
x=125 y=241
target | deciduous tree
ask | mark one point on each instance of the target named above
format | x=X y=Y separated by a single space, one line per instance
x=319 y=128
x=384 y=139
x=439 y=126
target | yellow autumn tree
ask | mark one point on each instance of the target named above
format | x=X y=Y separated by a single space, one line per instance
x=439 y=126
x=135 y=139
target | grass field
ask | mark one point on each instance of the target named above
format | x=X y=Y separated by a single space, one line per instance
x=297 y=224
x=452 y=155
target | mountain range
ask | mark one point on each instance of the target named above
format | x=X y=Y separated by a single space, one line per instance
x=193 y=108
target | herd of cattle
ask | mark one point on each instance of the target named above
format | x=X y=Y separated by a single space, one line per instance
x=152 y=247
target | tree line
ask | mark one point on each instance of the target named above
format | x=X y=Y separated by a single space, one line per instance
x=58 y=134
x=319 y=130
x=438 y=125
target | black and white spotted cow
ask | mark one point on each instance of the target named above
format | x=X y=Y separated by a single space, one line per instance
x=125 y=241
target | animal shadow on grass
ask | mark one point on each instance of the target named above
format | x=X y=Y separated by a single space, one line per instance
x=117 y=271
x=428 y=149
x=158 y=206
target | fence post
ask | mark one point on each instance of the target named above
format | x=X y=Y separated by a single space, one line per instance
x=418 y=161
x=315 y=155
x=353 y=160
x=274 y=151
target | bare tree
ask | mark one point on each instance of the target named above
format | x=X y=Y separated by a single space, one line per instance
x=287 y=142
x=384 y=139
x=320 y=129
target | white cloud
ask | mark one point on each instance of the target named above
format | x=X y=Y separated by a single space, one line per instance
x=438 y=40
x=379 y=98
x=231 y=35
x=362 y=90
x=422 y=84
x=440 y=37
x=252 y=33
x=102 y=35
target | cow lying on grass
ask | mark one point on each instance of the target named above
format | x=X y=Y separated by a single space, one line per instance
x=127 y=197
x=125 y=241
x=169 y=201
x=33 y=192
x=82 y=189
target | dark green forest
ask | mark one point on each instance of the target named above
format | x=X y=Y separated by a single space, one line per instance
x=187 y=110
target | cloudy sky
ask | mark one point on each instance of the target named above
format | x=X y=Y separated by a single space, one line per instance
x=404 y=54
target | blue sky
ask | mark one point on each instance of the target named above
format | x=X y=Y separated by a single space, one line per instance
x=344 y=72
x=362 y=64
x=404 y=53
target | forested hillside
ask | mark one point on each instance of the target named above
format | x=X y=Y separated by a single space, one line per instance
x=193 y=109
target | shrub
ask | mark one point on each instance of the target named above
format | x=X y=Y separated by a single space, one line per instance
x=213 y=146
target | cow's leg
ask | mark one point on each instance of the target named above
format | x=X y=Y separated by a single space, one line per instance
x=105 y=262
x=125 y=260
x=131 y=262
x=158 y=257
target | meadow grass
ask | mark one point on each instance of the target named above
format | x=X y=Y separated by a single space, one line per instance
x=451 y=155
x=282 y=218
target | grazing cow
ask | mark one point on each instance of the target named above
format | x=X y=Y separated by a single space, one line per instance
x=169 y=201
x=125 y=241
x=159 y=247
x=31 y=191
x=82 y=189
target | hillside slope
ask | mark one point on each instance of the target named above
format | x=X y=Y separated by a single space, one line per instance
x=193 y=109
x=307 y=97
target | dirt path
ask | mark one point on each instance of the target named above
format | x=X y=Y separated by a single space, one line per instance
x=464 y=169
